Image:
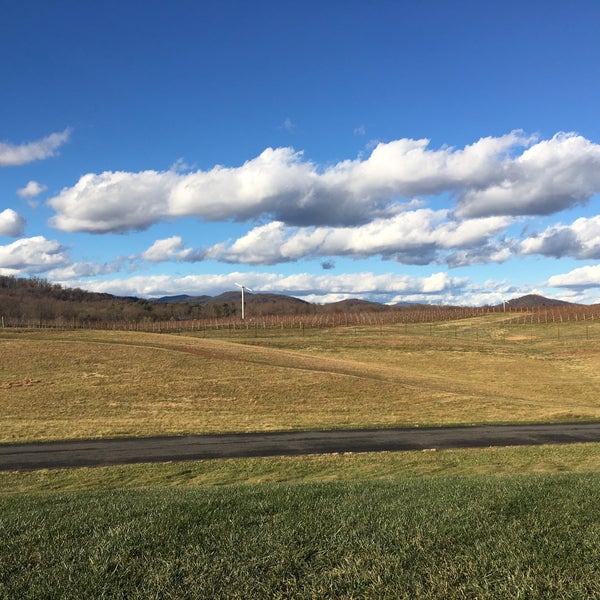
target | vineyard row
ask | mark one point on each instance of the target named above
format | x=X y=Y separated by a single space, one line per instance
x=329 y=320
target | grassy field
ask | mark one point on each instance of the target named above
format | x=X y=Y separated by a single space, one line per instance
x=79 y=384
x=482 y=523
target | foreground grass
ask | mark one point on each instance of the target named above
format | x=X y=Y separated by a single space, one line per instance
x=81 y=384
x=434 y=537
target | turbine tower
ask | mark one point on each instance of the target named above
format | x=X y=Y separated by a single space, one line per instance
x=243 y=288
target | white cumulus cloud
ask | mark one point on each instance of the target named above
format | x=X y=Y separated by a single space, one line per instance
x=20 y=154
x=374 y=205
x=579 y=240
x=411 y=237
x=32 y=255
x=31 y=190
x=548 y=177
x=11 y=223
x=171 y=249
x=83 y=269
x=583 y=277
x=113 y=202
x=281 y=185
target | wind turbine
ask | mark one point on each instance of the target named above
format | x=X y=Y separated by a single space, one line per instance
x=243 y=288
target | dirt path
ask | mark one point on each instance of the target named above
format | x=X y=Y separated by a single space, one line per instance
x=78 y=453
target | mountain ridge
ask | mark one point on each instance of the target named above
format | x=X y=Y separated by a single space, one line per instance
x=537 y=300
x=33 y=298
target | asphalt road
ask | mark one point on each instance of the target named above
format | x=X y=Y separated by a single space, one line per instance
x=79 y=453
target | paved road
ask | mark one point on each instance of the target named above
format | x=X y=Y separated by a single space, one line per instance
x=50 y=455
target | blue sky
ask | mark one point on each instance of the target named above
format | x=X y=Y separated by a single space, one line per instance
x=442 y=152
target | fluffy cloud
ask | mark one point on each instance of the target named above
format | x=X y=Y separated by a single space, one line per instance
x=302 y=285
x=32 y=255
x=580 y=240
x=83 y=269
x=172 y=249
x=13 y=155
x=113 y=202
x=276 y=182
x=493 y=176
x=11 y=223
x=391 y=288
x=31 y=190
x=548 y=177
x=411 y=237
x=584 y=277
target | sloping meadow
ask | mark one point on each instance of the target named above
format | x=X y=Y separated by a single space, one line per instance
x=78 y=384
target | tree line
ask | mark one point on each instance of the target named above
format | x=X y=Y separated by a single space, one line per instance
x=31 y=299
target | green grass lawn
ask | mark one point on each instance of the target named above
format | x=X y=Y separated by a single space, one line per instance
x=520 y=522
x=535 y=536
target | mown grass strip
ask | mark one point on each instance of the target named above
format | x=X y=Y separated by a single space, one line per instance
x=434 y=537
x=390 y=466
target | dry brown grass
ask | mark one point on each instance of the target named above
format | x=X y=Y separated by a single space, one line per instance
x=59 y=385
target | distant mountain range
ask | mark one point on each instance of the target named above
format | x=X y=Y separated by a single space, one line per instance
x=536 y=300
x=350 y=305
x=31 y=298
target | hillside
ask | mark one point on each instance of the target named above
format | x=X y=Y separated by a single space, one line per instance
x=38 y=299
x=356 y=305
x=181 y=298
x=536 y=300
x=229 y=302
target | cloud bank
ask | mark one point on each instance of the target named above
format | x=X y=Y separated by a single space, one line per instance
x=511 y=175
x=384 y=204
x=412 y=237
x=387 y=287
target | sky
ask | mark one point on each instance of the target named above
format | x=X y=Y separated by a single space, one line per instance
x=433 y=151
